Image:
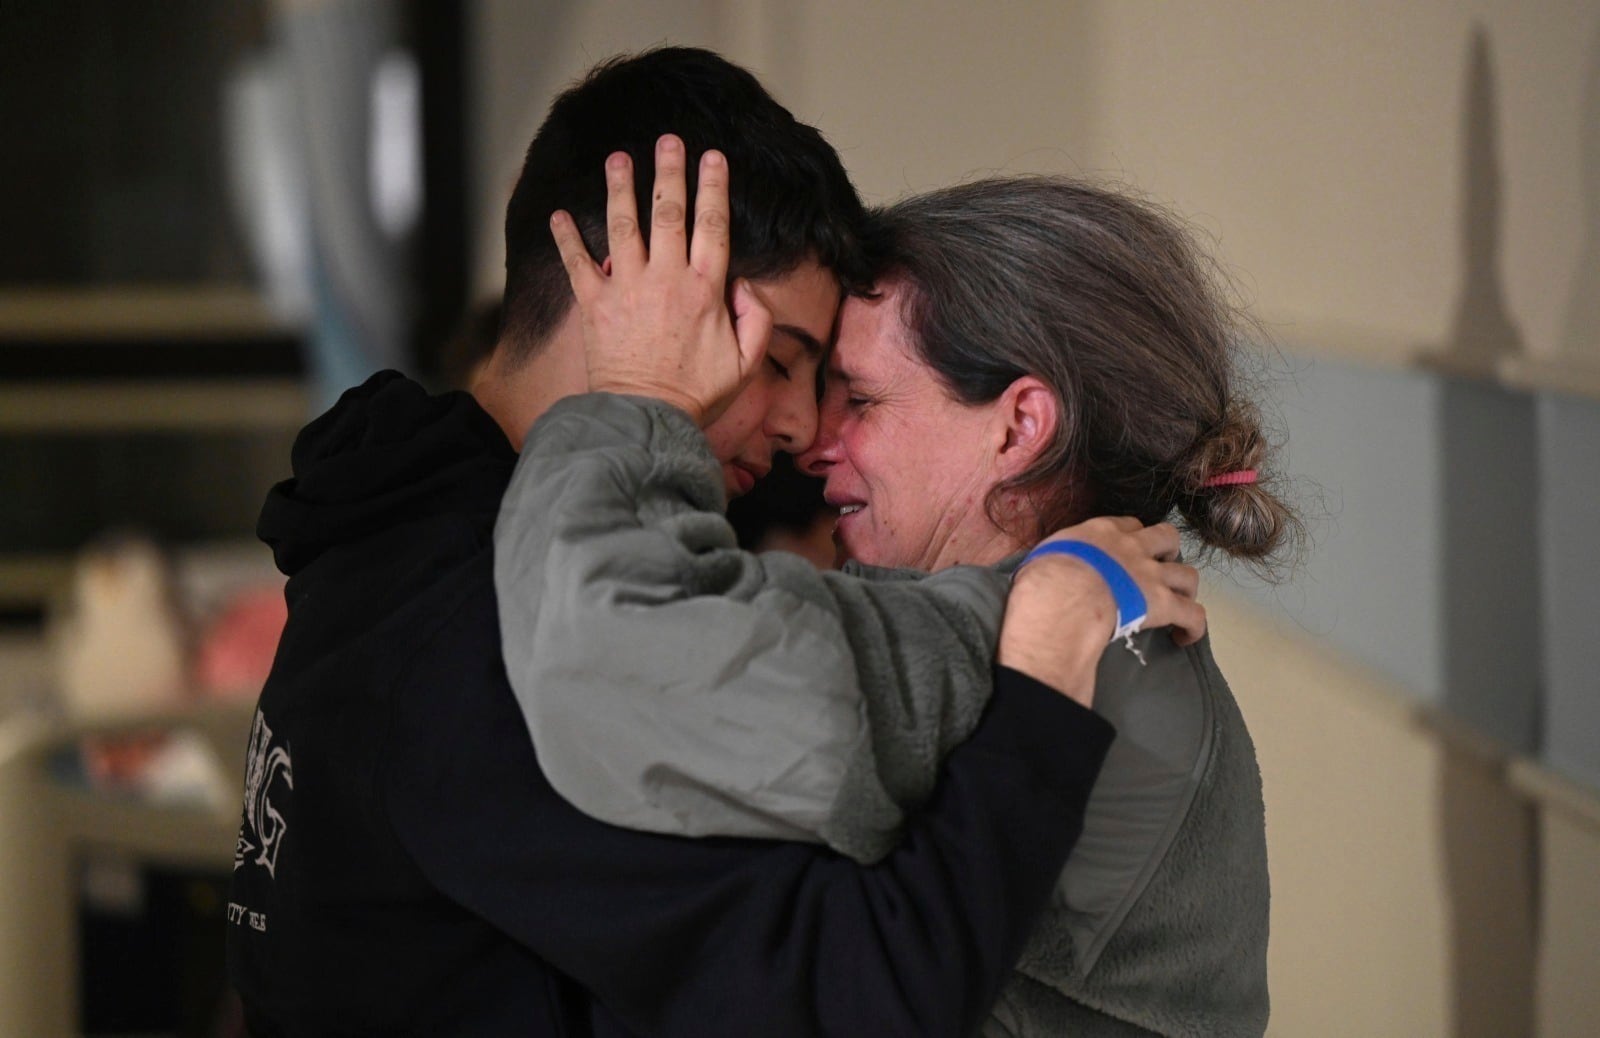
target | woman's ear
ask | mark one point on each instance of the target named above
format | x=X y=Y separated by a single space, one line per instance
x=1030 y=413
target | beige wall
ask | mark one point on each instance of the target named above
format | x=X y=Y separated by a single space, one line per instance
x=1324 y=143
x=1569 y=920
x=1392 y=914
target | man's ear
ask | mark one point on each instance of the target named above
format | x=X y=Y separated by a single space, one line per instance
x=1030 y=414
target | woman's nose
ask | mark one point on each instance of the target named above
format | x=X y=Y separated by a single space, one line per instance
x=822 y=455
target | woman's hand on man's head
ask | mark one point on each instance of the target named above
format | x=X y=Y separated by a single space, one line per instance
x=656 y=318
x=1061 y=612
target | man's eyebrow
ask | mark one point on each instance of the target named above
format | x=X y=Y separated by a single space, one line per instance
x=810 y=343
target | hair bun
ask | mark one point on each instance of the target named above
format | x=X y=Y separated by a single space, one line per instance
x=1230 y=505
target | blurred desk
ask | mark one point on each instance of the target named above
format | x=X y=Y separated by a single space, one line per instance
x=52 y=829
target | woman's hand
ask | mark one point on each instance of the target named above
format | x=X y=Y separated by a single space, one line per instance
x=656 y=320
x=1060 y=614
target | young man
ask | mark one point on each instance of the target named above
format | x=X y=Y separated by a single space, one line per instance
x=403 y=866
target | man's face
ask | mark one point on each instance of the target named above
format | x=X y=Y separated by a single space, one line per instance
x=778 y=409
x=908 y=466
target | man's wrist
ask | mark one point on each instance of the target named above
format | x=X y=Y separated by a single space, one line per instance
x=1059 y=618
x=1069 y=588
x=665 y=394
x=1067 y=666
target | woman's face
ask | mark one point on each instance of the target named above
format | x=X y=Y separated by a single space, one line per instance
x=778 y=409
x=908 y=466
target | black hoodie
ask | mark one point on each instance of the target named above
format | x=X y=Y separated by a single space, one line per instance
x=404 y=867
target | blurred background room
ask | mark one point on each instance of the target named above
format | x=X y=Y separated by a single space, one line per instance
x=215 y=215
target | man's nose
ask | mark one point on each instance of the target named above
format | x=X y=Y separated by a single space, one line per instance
x=793 y=423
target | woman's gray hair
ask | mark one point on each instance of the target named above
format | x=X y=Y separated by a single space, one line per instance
x=1106 y=300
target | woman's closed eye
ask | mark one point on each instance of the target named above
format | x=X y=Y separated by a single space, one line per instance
x=779 y=367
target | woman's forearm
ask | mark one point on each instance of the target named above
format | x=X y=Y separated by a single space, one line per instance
x=673 y=683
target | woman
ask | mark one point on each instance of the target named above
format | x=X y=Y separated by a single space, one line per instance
x=1038 y=352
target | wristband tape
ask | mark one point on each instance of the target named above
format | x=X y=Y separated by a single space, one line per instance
x=1131 y=606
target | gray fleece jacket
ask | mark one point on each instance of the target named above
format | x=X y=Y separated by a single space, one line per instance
x=673 y=683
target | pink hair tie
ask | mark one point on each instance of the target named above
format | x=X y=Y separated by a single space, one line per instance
x=1231 y=479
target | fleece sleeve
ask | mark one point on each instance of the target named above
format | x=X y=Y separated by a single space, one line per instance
x=734 y=937
x=675 y=684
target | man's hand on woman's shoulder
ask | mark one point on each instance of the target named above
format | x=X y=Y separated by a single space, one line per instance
x=1062 y=612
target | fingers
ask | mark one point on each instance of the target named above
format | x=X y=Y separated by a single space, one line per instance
x=1173 y=602
x=708 y=248
x=1188 y=621
x=582 y=272
x=752 y=326
x=623 y=239
x=1180 y=579
x=1161 y=540
x=1149 y=555
x=669 y=234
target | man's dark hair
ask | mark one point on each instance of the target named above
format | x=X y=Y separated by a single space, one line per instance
x=790 y=198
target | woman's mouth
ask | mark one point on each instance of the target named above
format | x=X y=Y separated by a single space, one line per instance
x=842 y=527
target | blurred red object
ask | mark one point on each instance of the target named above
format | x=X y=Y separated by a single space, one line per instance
x=236 y=651
x=118 y=762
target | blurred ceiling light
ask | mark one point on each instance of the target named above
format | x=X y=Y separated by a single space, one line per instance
x=395 y=156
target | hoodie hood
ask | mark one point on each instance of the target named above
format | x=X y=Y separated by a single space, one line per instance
x=385 y=454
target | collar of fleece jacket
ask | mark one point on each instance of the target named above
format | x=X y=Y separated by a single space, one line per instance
x=385 y=454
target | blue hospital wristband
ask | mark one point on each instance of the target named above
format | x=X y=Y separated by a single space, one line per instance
x=1131 y=606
